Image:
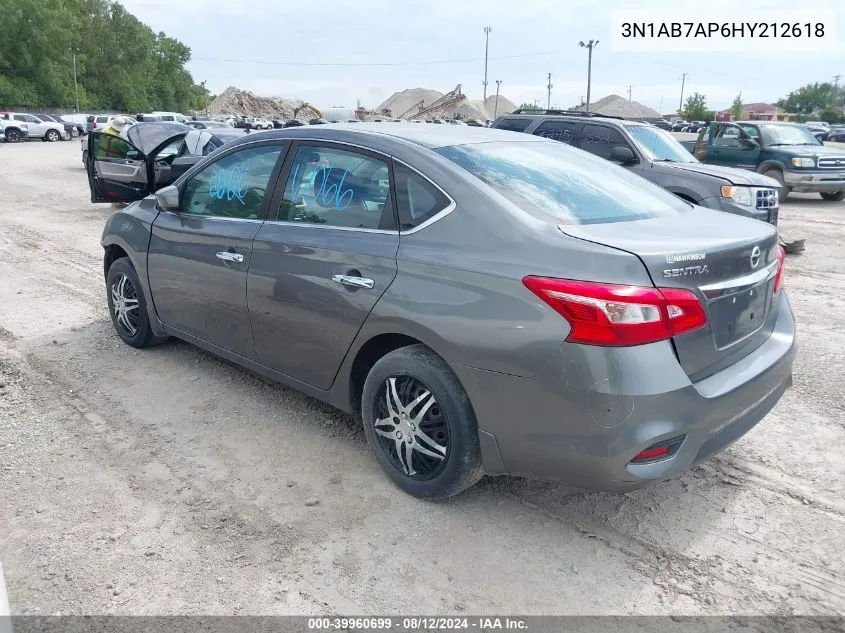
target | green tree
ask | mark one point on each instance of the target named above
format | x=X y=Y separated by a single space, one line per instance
x=121 y=63
x=736 y=108
x=810 y=98
x=695 y=108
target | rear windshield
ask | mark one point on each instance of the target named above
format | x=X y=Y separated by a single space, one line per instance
x=562 y=184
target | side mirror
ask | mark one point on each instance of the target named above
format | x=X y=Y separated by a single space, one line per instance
x=748 y=143
x=168 y=198
x=622 y=155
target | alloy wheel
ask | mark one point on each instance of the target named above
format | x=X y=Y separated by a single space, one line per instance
x=125 y=304
x=411 y=427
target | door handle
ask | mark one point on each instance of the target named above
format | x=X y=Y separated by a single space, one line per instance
x=228 y=256
x=353 y=282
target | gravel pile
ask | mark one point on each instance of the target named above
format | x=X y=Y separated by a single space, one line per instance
x=234 y=101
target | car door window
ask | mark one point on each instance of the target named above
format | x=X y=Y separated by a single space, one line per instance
x=563 y=131
x=751 y=131
x=110 y=146
x=727 y=136
x=601 y=139
x=232 y=187
x=336 y=187
x=513 y=125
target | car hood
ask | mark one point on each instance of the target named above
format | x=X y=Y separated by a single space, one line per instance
x=148 y=136
x=808 y=150
x=732 y=175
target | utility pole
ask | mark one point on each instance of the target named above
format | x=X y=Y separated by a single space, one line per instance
x=487 y=30
x=681 y=105
x=549 y=99
x=589 y=46
x=75 y=86
x=496 y=109
x=629 y=86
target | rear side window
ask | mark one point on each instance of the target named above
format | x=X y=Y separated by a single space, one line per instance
x=563 y=131
x=338 y=187
x=102 y=119
x=416 y=198
x=513 y=125
x=601 y=139
x=560 y=184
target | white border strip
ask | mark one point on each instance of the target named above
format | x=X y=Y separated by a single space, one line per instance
x=5 y=613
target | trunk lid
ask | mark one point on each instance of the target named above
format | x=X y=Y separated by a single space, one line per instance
x=727 y=260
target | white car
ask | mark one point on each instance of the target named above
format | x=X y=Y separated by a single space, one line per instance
x=178 y=117
x=46 y=130
x=261 y=124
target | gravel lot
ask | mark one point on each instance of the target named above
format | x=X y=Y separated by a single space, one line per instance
x=167 y=481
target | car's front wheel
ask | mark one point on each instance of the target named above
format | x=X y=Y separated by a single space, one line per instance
x=835 y=196
x=420 y=424
x=13 y=136
x=777 y=174
x=128 y=305
x=52 y=136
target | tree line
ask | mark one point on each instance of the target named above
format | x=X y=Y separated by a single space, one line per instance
x=121 y=64
x=821 y=101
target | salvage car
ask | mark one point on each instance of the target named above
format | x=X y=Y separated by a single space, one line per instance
x=482 y=301
x=786 y=152
x=151 y=156
x=654 y=154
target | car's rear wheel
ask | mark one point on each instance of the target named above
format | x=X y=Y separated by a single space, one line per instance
x=13 y=136
x=128 y=306
x=777 y=174
x=420 y=425
x=52 y=136
x=835 y=196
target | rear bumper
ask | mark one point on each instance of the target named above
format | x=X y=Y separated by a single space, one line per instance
x=591 y=410
x=815 y=181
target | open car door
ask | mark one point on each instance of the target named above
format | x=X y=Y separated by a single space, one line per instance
x=117 y=170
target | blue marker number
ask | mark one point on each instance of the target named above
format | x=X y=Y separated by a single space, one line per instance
x=228 y=185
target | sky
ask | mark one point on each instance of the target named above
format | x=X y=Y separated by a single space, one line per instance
x=339 y=52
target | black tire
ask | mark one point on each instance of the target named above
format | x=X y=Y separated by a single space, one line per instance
x=777 y=174
x=122 y=272
x=13 y=136
x=449 y=418
x=52 y=136
x=85 y=157
x=836 y=196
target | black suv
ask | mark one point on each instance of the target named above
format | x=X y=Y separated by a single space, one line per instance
x=655 y=155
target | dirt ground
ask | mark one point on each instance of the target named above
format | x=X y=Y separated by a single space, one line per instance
x=167 y=481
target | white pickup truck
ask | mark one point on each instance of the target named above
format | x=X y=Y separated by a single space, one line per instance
x=46 y=130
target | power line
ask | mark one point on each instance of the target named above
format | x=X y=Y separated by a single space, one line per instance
x=468 y=60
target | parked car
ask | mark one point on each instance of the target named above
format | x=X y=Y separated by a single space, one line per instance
x=293 y=123
x=13 y=131
x=819 y=124
x=45 y=130
x=317 y=122
x=100 y=121
x=208 y=125
x=663 y=124
x=820 y=133
x=678 y=125
x=70 y=128
x=498 y=315
x=174 y=117
x=151 y=156
x=837 y=134
x=260 y=123
x=787 y=152
x=655 y=155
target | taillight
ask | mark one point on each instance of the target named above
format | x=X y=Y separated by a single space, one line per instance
x=779 y=273
x=614 y=315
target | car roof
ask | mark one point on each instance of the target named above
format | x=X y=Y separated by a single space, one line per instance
x=428 y=135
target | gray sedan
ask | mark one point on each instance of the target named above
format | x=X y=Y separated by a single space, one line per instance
x=483 y=301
